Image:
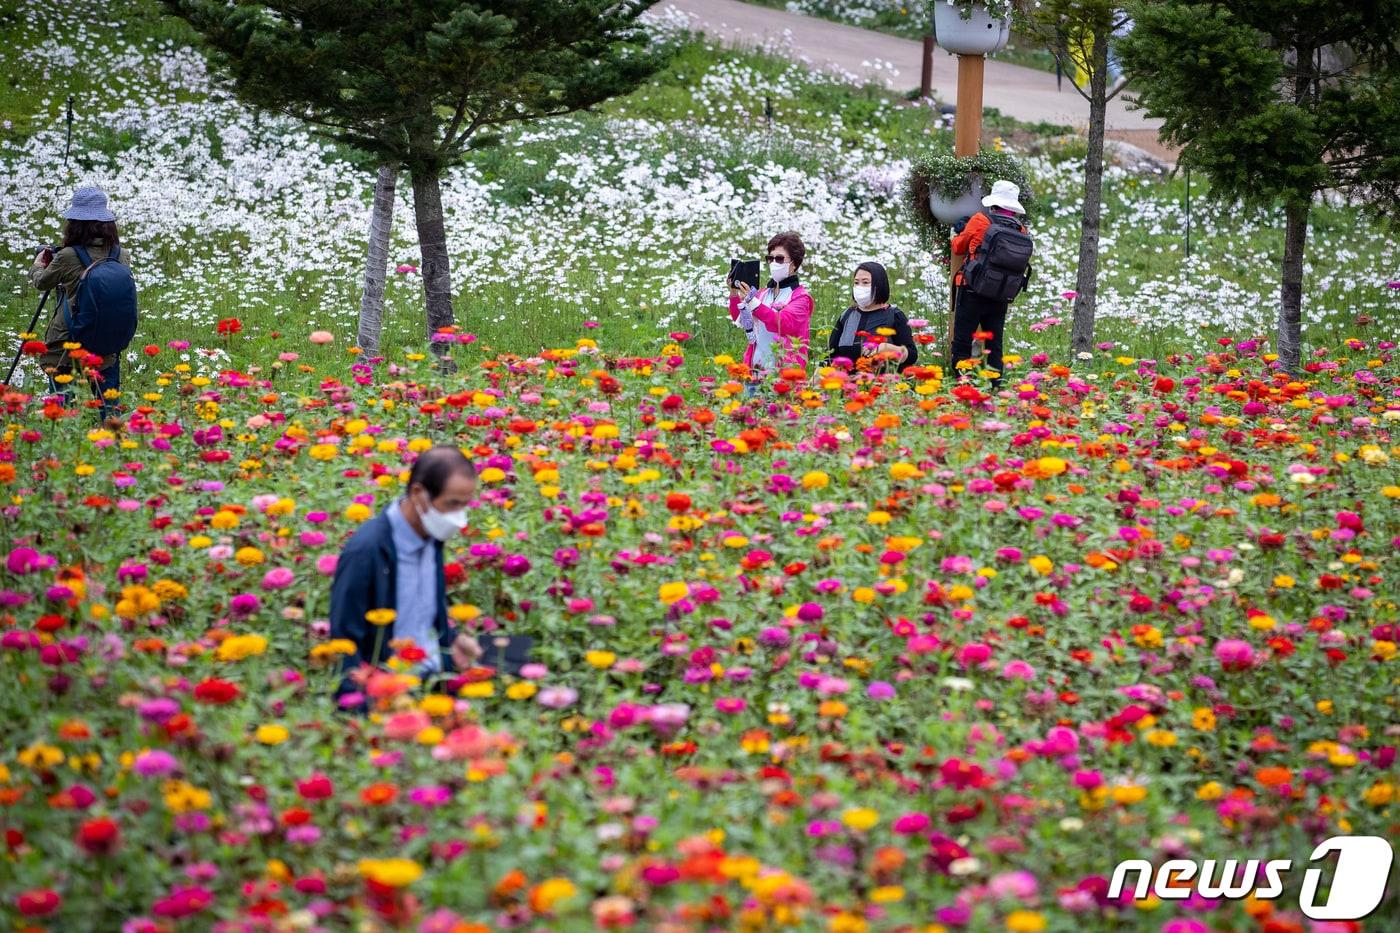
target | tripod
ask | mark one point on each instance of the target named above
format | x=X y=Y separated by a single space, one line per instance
x=33 y=322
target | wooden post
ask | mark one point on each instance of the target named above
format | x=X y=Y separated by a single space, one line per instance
x=967 y=129
x=967 y=138
x=926 y=77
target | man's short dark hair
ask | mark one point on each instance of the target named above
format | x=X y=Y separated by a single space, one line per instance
x=436 y=465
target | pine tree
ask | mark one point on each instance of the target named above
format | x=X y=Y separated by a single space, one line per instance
x=1277 y=100
x=1078 y=32
x=417 y=83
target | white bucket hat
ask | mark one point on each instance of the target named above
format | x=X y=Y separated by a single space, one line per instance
x=1005 y=194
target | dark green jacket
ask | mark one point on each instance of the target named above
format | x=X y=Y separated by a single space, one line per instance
x=62 y=275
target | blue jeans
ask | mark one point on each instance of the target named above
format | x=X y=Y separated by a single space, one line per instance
x=109 y=378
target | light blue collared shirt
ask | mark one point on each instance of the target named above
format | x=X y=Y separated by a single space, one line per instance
x=415 y=589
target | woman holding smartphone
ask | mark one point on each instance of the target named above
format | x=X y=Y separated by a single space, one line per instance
x=777 y=318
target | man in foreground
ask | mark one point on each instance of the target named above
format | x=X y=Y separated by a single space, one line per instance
x=394 y=563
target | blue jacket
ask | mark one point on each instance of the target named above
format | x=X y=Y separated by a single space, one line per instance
x=365 y=578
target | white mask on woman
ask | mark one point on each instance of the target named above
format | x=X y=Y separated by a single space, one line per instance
x=862 y=295
x=779 y=270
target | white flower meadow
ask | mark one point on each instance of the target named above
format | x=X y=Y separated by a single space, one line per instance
x=630 y=218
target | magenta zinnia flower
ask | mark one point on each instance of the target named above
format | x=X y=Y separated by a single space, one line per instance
x=154 y=762
x=1234 y=655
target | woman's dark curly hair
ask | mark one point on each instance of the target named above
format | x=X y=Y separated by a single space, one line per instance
x=791 y=242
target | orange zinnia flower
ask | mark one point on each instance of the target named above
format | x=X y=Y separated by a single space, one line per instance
x=379 y=794
x=511 y=882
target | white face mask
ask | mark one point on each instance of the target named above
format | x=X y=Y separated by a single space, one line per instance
x=779 y=270
x=441 y=525
x=861 y=294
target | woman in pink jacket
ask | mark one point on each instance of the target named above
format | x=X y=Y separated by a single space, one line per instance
x=778 y=318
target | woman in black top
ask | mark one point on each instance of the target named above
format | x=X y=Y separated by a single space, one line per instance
x=888 y=339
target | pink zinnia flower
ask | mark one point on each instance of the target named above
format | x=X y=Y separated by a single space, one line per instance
x=278 y=578
x=22 y=560
x=154 y=762
x=1234 y=655
x=880 y=690
x=1018 y=670
x=557 y=697
x=1184 y=925
x=245 y=604
x=973 y=654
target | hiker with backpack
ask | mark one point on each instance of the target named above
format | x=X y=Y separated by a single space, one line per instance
x=90 y=276
x=998 y=250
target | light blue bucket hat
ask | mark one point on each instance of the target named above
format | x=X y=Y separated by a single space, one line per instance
x=89 y=203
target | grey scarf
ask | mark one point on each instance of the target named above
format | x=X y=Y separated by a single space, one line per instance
x=848 y=331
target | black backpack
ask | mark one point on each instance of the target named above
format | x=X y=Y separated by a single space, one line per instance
x=1002 y=265
x=103 y=314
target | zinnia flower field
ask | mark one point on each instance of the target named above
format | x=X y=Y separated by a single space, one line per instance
x=858 y=654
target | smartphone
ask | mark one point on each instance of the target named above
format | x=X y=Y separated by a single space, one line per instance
x=741 y=270
x=508 y=653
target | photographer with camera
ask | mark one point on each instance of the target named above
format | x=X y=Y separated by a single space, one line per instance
x=91 y=277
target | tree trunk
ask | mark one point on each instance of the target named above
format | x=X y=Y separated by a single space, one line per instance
x=1086 y=283
x=436 y=272
x=1295 y=238
x=1290 y=310
x=377 y=261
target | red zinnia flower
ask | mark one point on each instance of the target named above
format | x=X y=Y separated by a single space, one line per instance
x=39 y=902
x=316 y=787
x=215 y=691
x=295 y=816
x=100 y=836
x=34 y=347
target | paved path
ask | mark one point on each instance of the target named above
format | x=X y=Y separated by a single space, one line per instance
x=1024 y=93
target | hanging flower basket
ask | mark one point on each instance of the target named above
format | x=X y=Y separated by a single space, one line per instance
x=971 y=28
x=943 y=188
x=947 y=208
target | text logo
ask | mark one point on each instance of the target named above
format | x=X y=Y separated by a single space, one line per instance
x=1358 y=884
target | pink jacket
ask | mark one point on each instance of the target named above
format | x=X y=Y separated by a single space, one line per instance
x=792 y=323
